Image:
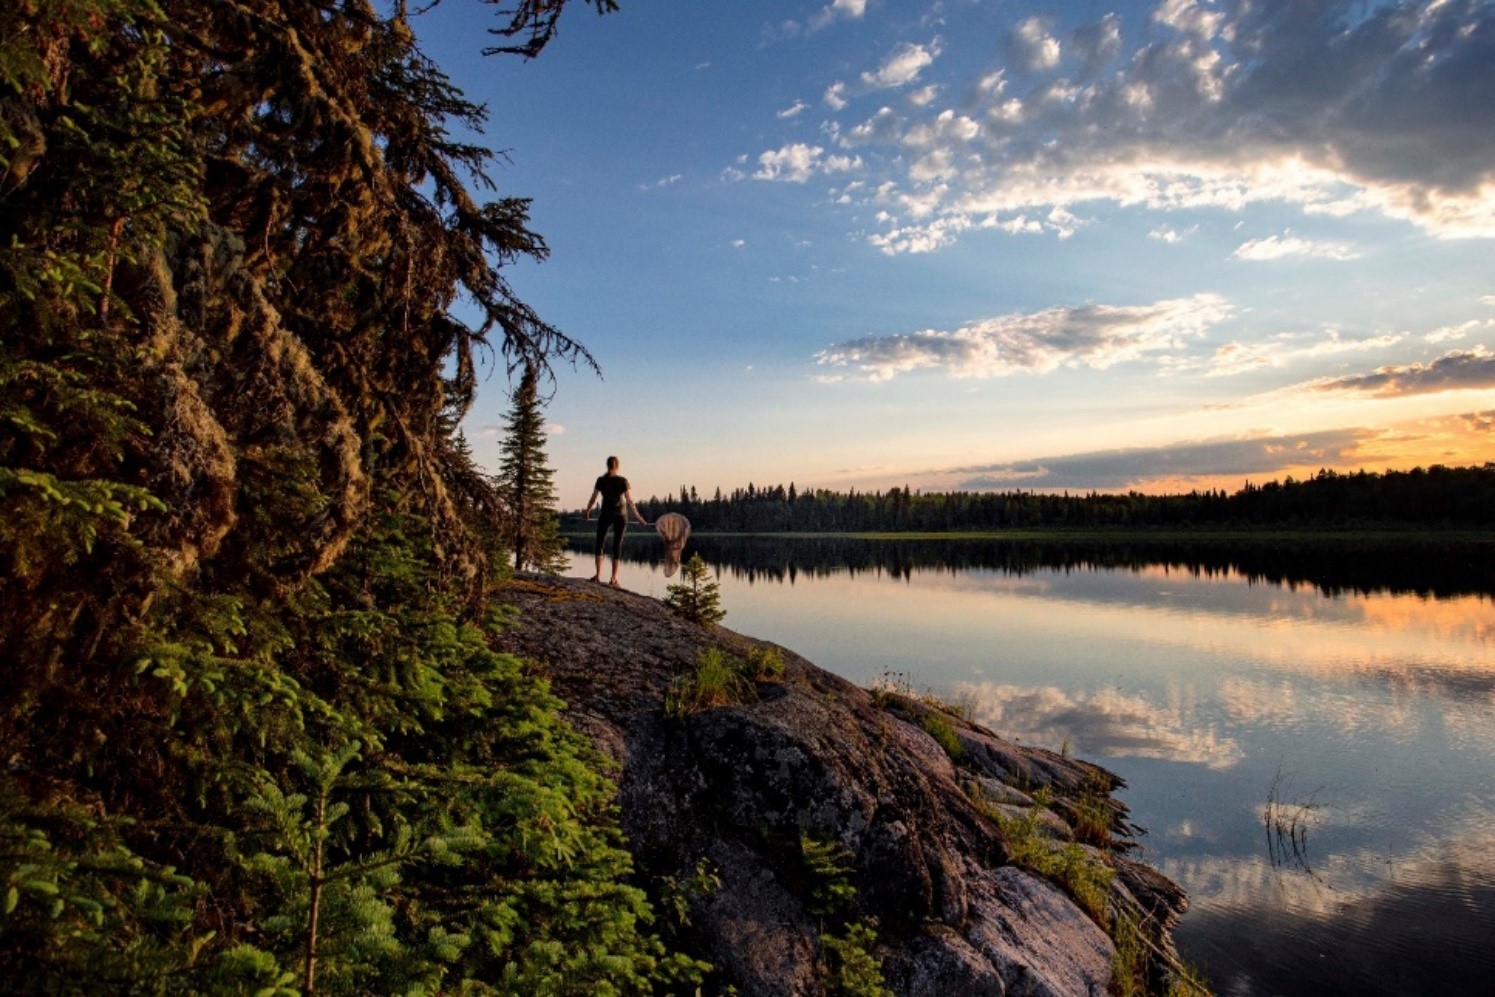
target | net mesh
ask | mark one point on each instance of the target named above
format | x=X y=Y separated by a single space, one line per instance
x=674 y=530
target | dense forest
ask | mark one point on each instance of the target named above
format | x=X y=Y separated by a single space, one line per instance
x=254 y=736
x=1451 y=497
x=1433 y=563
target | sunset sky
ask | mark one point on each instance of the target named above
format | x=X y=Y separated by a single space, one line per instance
x=959 y=244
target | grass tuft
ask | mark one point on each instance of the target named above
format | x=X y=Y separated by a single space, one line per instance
x=721 y=679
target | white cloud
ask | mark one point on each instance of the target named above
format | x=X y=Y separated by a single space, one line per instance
x=1096 y=336
x=1032 y=45
x=835 y=95
x=555 y=429
x=1447 y=333
x=1238 y=358
x=797 y=162
x=1107 y=722
x=1332 y=107
x=1171 y=235
x=668 y=181
x=902 y=67
x=849 y=10
x=792 y=110
x=1275 y=247
x=924 y=96
x=739 y=243
x=1190 y=17
x=881 y=127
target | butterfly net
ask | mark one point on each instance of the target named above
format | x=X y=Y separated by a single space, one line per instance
x=674 y=530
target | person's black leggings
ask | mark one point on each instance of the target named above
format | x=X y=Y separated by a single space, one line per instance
x=618 y=523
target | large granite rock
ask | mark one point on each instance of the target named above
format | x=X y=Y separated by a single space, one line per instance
x=728 y=797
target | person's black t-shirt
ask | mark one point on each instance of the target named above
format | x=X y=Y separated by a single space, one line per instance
x=611 y=487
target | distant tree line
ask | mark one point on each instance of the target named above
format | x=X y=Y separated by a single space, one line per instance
x=1438 y=496
x=1428 y=563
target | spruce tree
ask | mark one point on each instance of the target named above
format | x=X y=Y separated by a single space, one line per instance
x=696 y=596
x=266 y=745
x=528 y=483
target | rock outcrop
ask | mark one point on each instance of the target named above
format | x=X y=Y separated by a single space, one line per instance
x=791 y=834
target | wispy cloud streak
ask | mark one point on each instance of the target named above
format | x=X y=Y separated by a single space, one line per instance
x=1459 y=369
x=1096 y=336
x=1113 y=469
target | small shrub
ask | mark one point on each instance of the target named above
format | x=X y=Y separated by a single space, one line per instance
x=717 y=681
x=851 y=968
x=828 y=863
x=1082 y=875
x=695 y=596
x=939 y=727
x=1129 y=962
x=891 y=686
x=1132 y=966
x=677 y=893
x=764 y=664
x=1093 y=816
x=1185 y=980
x=721 y=679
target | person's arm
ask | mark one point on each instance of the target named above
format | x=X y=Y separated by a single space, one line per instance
x=628 y=497
x=590 y=503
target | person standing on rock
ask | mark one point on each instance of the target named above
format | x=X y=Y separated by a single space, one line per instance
x=617 y=502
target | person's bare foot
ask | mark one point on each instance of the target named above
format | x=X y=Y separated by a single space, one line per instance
x=614 y=583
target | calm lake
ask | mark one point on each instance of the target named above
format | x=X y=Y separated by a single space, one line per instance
x=1308 y=732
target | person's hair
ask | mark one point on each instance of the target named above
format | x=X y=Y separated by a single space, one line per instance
x=612 y=463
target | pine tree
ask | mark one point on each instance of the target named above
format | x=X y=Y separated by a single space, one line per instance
x=695 y=596
x=527 y=482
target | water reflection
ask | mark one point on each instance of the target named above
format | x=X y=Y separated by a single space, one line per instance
x=1332 y=565
x=1362 y=681
x=1106 y=723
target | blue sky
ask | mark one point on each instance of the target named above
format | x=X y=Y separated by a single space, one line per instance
x=1003 y=244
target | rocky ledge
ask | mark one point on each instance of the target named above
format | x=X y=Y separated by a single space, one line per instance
x=809 y=836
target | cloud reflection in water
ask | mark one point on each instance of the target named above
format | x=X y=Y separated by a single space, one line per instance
x=1108 y=723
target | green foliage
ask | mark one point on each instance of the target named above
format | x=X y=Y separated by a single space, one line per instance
x=1082 y=874
x=257 y=738
x=1131 y=961
x=696 y=596
x=721 y=679
x=892 y=687
x=1437 y=495
x=851 y=968
x=828 y=865
x=1133 y=965
x=677 y=893
x=846 y=941
x=1093 y=817
x=527 y=483
x=717 y=680
x=764 y=664
x=939 y=727
x=1185 y=980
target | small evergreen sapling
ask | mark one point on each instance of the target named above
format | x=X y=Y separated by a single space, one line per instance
x=527 y=482
x=696 y=596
